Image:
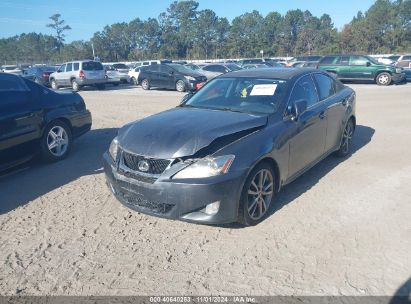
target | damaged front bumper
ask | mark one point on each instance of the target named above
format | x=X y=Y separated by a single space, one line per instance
x=177 y=199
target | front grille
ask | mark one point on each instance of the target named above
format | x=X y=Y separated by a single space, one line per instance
x=138 y=177
x=137 y=200
x=156 y=166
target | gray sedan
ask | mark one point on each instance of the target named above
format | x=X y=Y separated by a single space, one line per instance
x=223 y=154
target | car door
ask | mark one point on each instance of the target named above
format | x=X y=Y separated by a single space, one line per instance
x=343 y=67
x=68 y=73
x=165 y=76
x=336 y=107
x=59 y=75
x=20 y=114
x=359 y=68
x=308 y=143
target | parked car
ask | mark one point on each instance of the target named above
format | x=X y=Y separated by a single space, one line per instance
x=40 y=74
x=394 y=57
x=150 y=62
x=77 y=74
x=133 y=75
x=385 y=60
x=407 y=74
x=224 y=153
x=268 y=61
x=307 y=58
x=35 y=119
x=198 y=67
x=256 y=66
x=114 y=76
x=404 y=61
x=219 y=68
x=170 y=76
x=11 y=69
x=361 y=67
x=121 y=67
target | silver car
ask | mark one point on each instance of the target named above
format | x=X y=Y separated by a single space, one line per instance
x=77 y=74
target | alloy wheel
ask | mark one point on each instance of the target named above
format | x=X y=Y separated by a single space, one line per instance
x=383 y=79
x=180 y=86
x=347 y=137
x=260 y=194
x=57 y=141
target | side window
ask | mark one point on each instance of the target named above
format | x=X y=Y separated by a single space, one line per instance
x=62 y=68
x=325 y=85
x=164 y=69
x=406 y=58
x=209 y=68
x=69 y=67
x=358 y=60
x=11 y=83
x=153 y=68
x=304 y=89
x=76 y=66
x=328 y=59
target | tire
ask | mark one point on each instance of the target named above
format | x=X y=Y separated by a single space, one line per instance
x=145 y=84
x=101 y=87
x=254 y=205
x=134 y=81
x=54 y=85
x=180 y=86
x=346 y=139
x=56 y=141
x=75 y=85
x=383 y=79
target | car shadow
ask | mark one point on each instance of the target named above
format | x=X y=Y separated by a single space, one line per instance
x=305 y=182
x=36 y=178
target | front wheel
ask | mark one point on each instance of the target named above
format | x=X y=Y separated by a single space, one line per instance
x=257 y=195
x=180 y=86
x=145 y=84
x=346 y=140
x=56 y=141
x=384 y=79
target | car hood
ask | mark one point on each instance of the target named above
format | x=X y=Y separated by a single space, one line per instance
x=183 y=131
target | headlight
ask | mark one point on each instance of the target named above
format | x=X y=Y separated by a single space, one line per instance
x=206 y=167
x=189 y=78
x=113 y=150
x=398 y=70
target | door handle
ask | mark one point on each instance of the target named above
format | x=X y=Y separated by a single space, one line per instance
x=322 y=115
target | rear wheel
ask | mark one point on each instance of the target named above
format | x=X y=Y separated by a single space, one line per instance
x=145 y=84
x=75 y=85
x=56 y=141
x=180 y=86
x=383 y=79
x=346 y=141
x=54 y=85
x=257 y=195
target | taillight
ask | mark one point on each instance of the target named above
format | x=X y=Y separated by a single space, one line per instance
x=81 y=74
x=46 y=75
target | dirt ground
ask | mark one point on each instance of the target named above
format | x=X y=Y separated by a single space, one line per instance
x=343 y=228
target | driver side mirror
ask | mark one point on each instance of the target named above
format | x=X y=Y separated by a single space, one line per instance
x=368 y=64
x=298 y=108
x=186 y=97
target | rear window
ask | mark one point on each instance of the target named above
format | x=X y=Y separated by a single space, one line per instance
x=120 y=66
x=406 y=58
x=92 y=66
x=11 y=83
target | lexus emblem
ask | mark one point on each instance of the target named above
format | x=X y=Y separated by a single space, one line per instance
x=143 y=165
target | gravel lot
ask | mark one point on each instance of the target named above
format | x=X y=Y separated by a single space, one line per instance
x=343 y=228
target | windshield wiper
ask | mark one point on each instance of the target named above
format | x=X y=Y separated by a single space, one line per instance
x=230 y=110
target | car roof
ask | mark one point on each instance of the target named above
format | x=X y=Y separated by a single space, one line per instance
x=281 y=73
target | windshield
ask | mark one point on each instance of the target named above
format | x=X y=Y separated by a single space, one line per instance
x=249 y=95
x=180 y=68
x=120 y=66
x=372 y=60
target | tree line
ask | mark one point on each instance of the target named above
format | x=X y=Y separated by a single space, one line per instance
x=185 y=32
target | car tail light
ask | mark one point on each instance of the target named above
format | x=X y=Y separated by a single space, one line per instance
x=45 y=75
x=81 y=74
x=199 y=85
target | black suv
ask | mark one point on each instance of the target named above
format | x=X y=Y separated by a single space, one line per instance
x=170 y=76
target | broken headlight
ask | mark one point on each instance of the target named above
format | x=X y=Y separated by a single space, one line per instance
x=113 y=150
x=206 y=167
